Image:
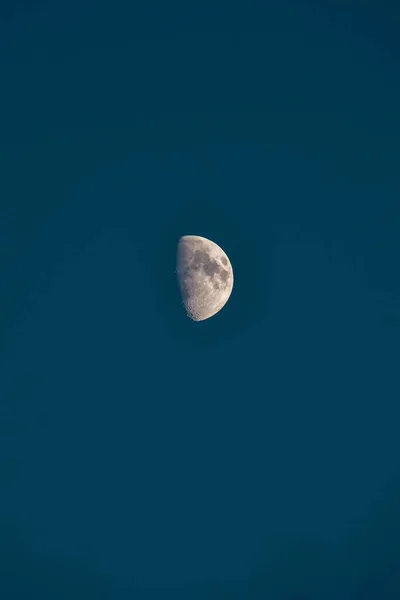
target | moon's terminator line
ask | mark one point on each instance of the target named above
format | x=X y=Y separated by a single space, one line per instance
x=205 y=276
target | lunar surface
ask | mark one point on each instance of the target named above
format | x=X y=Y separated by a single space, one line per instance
x=205 y=276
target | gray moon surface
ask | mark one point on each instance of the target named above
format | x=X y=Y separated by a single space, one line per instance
x=205 y=276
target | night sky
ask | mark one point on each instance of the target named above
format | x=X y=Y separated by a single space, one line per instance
x=255 y=455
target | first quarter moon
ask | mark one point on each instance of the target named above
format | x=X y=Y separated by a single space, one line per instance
x=205 y=276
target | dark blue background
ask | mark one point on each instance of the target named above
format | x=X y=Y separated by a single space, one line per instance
x=254 y=455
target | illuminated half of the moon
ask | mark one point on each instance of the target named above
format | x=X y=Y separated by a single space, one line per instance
x=205 y=276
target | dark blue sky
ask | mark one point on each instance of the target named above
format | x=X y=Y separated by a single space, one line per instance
x=251 y=456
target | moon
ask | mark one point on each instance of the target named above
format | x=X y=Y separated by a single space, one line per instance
x=205 y=276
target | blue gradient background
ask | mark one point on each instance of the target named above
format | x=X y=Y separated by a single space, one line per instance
x=252 y=456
